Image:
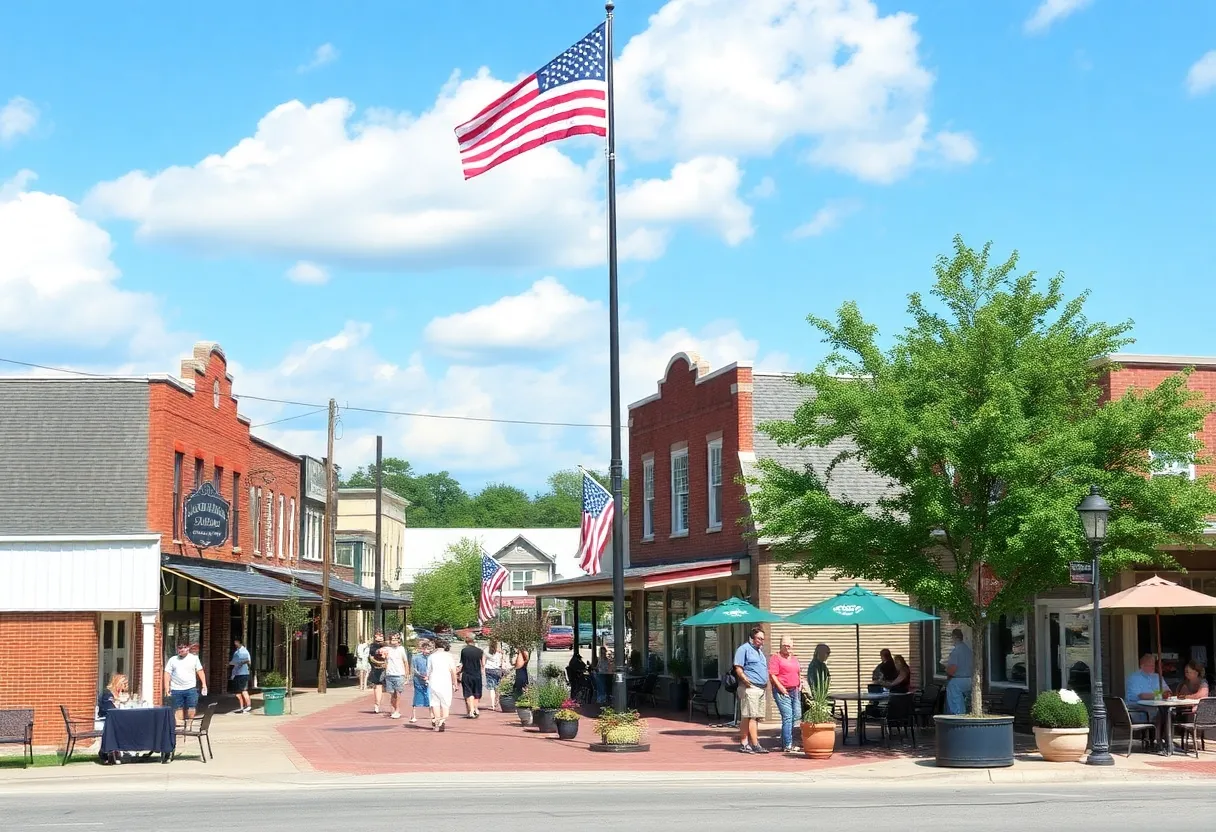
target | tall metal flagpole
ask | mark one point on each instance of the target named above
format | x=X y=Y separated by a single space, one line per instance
x=619 y=694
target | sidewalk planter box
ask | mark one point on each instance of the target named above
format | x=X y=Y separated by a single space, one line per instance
x=567 y=729
x=272 y=701
x=545 y=720
x=507 y=703
x=1061 y=745
x=525 y=716
x=974 y=742
x=818 y=739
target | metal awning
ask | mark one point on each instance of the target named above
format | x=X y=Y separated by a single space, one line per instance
x=339 y=588
x=641 y=578
x=240 y=583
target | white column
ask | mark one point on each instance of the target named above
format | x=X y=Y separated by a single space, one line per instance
x=148 y=666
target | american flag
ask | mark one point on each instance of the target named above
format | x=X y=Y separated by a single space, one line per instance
x=597 y=524
x=493 y=576
x=566 y=97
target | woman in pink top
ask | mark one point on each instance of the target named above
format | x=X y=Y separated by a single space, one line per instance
x=785 y=673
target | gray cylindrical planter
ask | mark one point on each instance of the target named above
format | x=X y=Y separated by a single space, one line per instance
x=545 y=720
x=974 y=742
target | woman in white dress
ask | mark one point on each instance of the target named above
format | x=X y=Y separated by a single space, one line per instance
x=363 y=663
x=441 y=676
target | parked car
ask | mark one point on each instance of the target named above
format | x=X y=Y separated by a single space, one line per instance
x=559 y=638
x=584 y=633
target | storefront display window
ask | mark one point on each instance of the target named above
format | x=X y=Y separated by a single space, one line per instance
x=679 y=607
x=1007 y=663
x=706 y=638
x=656 y=633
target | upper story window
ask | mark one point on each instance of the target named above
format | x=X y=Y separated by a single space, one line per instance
x=255 y=514
x=648 y=498
x=291 y=528
x=1164 y=466
x=344 y=554
x=679 y=491
x=521 y=579
x=715 y=484
x=177 y=495
x=279 y=537
x=198 y=472
x=236 y=511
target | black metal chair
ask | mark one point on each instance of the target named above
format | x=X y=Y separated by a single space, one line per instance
x=646 y=690
x=898 y=714
x=1121 y=720
x=1204 y=720
x=203 y=731
x=925 y=704
x=17 y=728
x=74 y=732
x=706 y=698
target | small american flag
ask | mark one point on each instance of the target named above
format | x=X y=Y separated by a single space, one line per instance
x=493 y=575
x=597 y=524
x=566 y=97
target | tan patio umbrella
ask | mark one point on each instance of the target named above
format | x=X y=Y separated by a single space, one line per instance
x=1154 y=596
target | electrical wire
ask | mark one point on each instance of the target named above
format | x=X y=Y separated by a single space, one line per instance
x=319 y=407
x=289 y=418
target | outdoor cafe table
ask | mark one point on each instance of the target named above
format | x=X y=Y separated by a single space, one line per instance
x=140 y=729
x=1168 y=705
x=846 y=698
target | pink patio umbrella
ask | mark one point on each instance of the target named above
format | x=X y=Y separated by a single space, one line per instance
x=1155 y=596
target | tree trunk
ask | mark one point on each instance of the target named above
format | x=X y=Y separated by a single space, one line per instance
x=977 y=667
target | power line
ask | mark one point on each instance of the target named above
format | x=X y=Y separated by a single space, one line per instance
x=289 y=418
x=316 y=408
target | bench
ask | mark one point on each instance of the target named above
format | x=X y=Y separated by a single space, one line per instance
x=17 y=728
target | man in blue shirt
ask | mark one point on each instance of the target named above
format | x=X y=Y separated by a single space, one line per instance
x=958 y=669
x=1144 y=684
x=751 y=669
x=239 y=679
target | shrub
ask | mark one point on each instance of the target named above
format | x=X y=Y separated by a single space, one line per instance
x=1059 y=709
x=273 y=679
x=551 y=695
x=506 y=686
x=820 y=710
x=527 y=699
x=552 y=671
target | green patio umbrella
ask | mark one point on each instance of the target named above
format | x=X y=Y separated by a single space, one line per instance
x=732 y=611
x=858 y=607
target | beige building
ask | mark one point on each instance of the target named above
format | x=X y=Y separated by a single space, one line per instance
x=355 y=536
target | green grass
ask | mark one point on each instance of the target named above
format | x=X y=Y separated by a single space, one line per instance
x=44 y=760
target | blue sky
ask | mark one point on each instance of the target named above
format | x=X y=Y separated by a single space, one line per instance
x=169 y=173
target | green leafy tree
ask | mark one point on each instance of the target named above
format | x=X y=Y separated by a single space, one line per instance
x=986 y=415
x=520 y=630
x=292 y=616
x=447 y=594
x=502 y=506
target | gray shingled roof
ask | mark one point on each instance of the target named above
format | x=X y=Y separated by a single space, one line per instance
x=246 y=584
x=776 y=398
x=340 y=585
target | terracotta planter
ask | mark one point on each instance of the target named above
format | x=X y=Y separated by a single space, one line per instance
x=1061 y=745
x=818 y=739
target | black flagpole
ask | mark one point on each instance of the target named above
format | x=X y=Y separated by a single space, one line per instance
x=619 y=694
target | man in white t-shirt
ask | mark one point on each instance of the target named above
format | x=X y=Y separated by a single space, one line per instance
x=181 y=671
x=395 y=663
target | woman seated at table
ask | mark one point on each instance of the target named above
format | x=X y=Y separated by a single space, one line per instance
x=897 y=684
x=109 y=700
x=1193 y=684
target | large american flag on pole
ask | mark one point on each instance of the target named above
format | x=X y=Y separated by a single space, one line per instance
x=597 y=524
x=493 y=576
x=566 y=97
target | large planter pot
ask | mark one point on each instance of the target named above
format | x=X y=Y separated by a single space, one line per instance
x=818 y=739
x=507 y=703
x=1061 y=745
x=525 y=716
x=677 y=694
x=974 y=742
x=622 y=739
x=545 y=720
x=567 y=729
x=272 y=701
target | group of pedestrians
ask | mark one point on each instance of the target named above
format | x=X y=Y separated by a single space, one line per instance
x=435 y=676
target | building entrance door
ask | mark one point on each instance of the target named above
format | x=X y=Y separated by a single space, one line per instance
x=115 y=648
x=1065 y=648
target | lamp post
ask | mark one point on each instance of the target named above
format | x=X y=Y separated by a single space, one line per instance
x=1094 y=511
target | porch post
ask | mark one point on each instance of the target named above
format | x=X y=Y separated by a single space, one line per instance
x=576 y=627
x=149 y=665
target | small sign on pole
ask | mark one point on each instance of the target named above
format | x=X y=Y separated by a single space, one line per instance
x=1081 y=571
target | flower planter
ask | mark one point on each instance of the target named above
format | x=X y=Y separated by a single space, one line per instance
x=818 y=739
x=272 y=701
x=525 y=716
x=545 y=720
x=1061 y=745
x=567 y=729
x=507 y=703
x=974 y=742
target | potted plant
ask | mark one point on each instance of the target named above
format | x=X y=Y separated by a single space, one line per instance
x=567 y=720
x=506 y=695
x=524 y=705
x=1061 y=726
x=550 y=696
x=818 y=724
x=677 y=690
x=620 y=731
x=552 y=672
x=274 y=690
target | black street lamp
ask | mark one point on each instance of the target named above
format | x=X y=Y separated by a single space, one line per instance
x=1094 y=511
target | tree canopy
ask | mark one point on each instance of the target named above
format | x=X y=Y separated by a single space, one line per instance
x=448 y=593
x=988 y=419
x=437 y=500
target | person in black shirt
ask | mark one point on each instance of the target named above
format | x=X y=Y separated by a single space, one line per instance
x=376 y=659
x=472 y=665
x=886 y=668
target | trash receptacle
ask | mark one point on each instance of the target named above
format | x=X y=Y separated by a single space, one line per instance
x=272 y=701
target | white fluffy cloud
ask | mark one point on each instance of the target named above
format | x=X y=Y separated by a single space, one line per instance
x=1202 y=76
x=958 y=148
x=57 y=281
x=324 y=54
x=1049 y=11
x=703 y=191
x=827 y=218
x=18 y=117
x=306 y=272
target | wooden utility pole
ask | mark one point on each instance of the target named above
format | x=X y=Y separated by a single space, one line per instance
x=327 y=553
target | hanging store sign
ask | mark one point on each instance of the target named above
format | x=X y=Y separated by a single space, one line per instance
x=205 y=517
x=1081 y=571
x=314 y=480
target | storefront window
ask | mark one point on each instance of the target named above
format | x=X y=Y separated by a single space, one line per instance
x=943 y=643
x=679 y=607
x=344 y=554
x=656 y=633
x=1007 y=663
x=706 y=638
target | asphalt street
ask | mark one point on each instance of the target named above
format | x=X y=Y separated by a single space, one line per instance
x=642 y=806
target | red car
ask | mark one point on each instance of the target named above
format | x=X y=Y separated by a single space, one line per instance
x=559 y=638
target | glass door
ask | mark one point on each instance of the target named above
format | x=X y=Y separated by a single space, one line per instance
x=115 y=647
x=1065 y=651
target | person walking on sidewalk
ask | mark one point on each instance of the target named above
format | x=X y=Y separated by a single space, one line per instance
x=785 y=675
x=375 y=657
x=362 y=666
x=183 y=679
x=521 y=672
x=472 y=666
x=395 y=662
x=239 y=678
x=441 y=677
x=422 y=688
x=751 y=669
x=496 y=665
